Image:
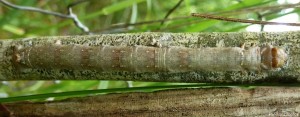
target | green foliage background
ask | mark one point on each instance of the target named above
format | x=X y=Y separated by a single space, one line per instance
x=102 y=16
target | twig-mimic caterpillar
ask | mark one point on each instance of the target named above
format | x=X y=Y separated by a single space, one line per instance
x=150 y=59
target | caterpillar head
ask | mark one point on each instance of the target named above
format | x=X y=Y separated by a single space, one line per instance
x=273 y=57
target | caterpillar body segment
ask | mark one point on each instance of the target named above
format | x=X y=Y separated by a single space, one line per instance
x=149 y=59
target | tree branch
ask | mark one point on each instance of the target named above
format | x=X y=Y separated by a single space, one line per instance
x=287 y=75
x=261 y=101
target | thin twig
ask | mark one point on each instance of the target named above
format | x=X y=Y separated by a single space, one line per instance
x=226 y=13
x=77 y=21
x=142 y=23
x=207 y=16
x=261 y=18
x=258 y=9
x=34 y=9
x=171 y=11
x=70 y=15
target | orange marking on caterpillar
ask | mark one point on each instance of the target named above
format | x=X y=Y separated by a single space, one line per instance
x=273 y=57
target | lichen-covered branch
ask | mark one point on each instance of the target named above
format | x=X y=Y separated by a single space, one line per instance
x=288 y=40
x=261 y=102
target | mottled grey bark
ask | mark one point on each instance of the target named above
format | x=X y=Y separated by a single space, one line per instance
x=288 y=74
x=232 y=102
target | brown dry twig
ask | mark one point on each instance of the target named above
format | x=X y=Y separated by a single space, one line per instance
x=226 y=13
x=208 y=16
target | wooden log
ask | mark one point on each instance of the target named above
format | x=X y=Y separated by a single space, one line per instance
x=261 y=101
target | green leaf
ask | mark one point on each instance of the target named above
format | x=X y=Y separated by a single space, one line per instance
x=13 y=29
x=99 y=91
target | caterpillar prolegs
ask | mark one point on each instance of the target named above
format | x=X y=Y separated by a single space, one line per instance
x=149 y=59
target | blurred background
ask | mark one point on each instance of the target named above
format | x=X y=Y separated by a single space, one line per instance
x=130 y=16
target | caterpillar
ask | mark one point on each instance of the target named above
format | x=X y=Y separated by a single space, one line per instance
x=149 y=59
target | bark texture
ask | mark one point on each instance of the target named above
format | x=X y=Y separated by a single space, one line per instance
x=258 y=102
x=288 y=40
